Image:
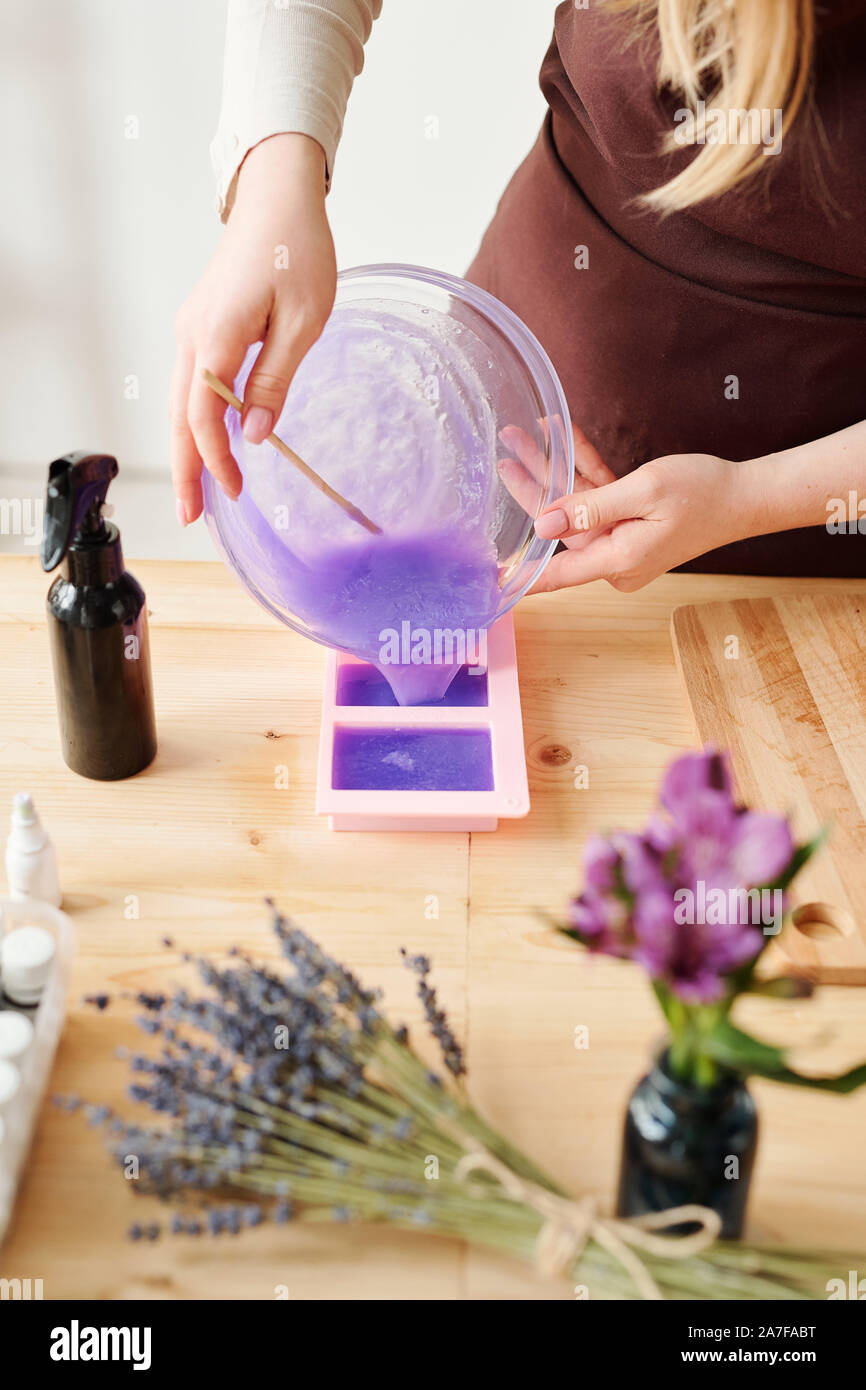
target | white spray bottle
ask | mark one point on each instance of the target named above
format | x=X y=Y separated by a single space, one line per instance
x=31 y=864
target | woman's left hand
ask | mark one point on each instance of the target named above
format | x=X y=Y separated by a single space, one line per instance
x=630 y=530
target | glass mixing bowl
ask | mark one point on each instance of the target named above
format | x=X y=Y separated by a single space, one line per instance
x=400 y=406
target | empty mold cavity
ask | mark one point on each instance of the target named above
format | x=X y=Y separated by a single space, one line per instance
x=430 y=760
x=360 y=684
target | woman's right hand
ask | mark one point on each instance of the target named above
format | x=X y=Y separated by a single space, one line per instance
x=272 y=279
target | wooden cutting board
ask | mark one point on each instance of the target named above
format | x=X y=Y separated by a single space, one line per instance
x=781 y=683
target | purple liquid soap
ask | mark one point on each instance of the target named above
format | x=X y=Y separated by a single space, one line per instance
x=430 y=760
x=412 y=606
x=392 y=406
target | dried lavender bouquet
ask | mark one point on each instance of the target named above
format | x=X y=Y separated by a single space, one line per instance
x=290 y=1096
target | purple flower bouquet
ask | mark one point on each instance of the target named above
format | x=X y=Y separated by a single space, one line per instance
x=694 y=899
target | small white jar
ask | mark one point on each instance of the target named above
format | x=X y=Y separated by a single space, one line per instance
x=16 y=1035
x=26 y=958
x=9 y=1082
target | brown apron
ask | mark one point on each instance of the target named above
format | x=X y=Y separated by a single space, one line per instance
x=735 y=328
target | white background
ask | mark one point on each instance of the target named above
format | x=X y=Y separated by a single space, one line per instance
x=102 y=236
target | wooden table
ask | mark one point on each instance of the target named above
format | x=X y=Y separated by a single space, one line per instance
x=188 y=850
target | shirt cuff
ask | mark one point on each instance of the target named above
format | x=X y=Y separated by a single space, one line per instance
x=230 y=148
x=289 y=68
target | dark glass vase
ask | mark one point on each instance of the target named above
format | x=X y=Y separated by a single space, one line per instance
x=679 y=1143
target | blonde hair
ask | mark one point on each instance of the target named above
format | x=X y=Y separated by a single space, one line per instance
x=736 y=56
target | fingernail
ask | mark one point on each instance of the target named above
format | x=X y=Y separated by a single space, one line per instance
x=231 y=495
x=258 y=423
x=181 y=512
x=551 y=525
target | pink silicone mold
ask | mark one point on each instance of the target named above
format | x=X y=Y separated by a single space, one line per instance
x=367 y=807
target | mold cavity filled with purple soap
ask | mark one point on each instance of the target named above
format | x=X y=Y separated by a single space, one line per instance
x=432 y=760
x=360 y=684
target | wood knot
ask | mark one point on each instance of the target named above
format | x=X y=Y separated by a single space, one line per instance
x=255 y=837
x=270 y=733
x=555 y=755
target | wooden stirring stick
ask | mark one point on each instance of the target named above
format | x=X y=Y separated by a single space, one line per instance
x=348 y=507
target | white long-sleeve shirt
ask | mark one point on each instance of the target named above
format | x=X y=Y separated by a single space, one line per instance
x=289 y=66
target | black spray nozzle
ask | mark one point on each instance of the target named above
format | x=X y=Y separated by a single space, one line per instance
x=77 y=487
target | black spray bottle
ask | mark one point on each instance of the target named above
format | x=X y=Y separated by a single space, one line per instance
x=97 y=619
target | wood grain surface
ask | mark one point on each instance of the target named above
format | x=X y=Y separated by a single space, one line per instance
x=781 y=683
x=188 y=849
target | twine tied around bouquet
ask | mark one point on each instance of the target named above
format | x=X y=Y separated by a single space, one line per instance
x=568 y=1224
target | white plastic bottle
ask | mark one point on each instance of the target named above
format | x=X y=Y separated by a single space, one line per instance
x=31 y=864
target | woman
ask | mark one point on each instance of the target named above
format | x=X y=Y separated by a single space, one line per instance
x=686 y=239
